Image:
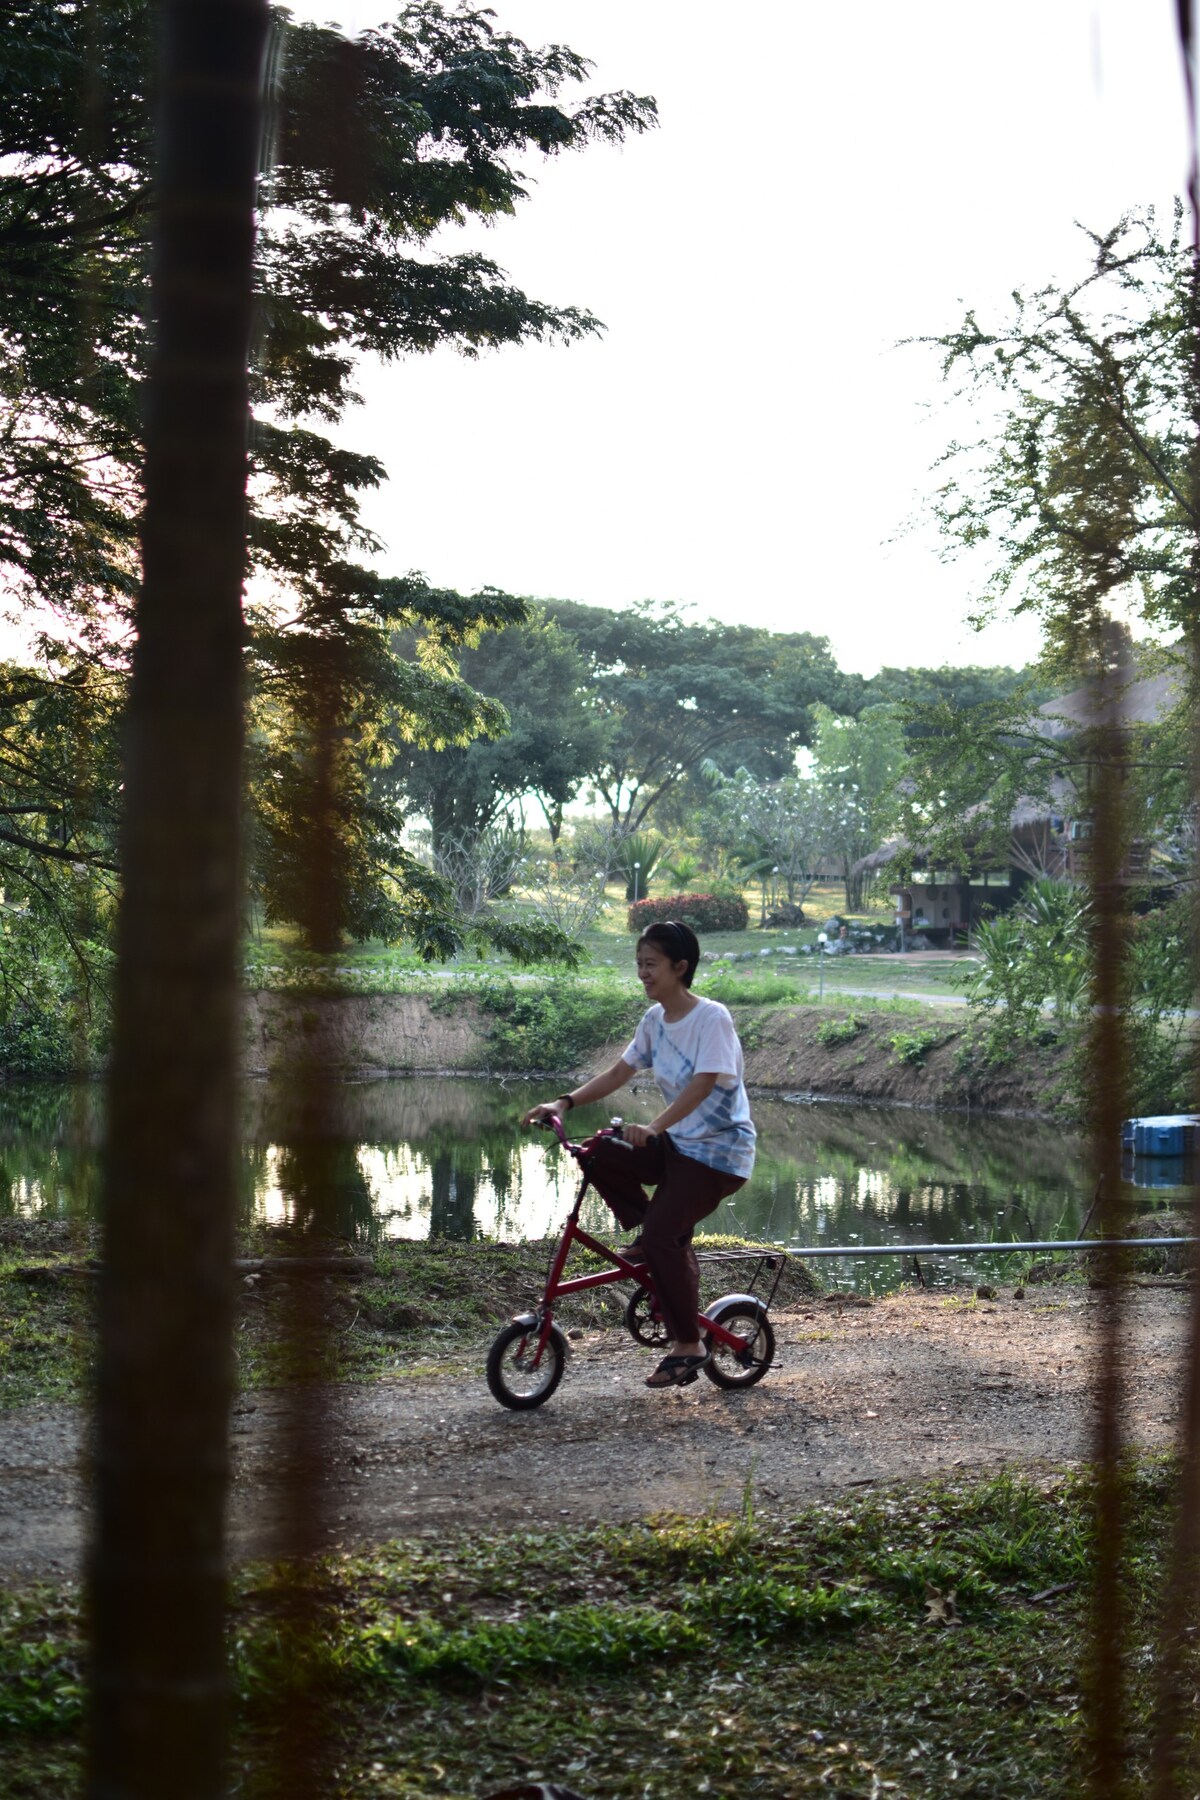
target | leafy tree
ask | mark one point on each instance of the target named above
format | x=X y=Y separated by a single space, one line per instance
x=58 y=786
x=1081 y=487
x=1078 y=501
x=772 y=826
x=858 y=766
x=541 y=743
x=962 y=688
x=377 y=143
x=673 y=693
x=1079 y=498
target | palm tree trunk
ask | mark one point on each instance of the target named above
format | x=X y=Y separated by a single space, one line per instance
x=156 y=1568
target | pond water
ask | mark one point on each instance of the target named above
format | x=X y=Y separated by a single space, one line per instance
x=414 y=1158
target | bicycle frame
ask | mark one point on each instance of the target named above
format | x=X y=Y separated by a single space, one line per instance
x=622 y=1270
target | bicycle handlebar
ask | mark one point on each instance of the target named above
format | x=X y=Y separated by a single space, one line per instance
x=554 y=1123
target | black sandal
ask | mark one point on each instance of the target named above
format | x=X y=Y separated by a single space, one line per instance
x=678 y=1371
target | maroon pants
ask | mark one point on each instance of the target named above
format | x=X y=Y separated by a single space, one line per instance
x=686 y=1191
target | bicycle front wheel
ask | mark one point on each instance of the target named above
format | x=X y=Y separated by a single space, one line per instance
x=512 y=1375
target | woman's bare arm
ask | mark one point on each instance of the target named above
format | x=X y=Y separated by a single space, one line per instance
x=595 y=1089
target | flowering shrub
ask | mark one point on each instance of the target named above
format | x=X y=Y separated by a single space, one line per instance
x=703 y=912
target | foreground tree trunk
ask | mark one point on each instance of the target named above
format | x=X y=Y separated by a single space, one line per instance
x=1176 y=1757
x=1109 y=1673
x=156 y=1570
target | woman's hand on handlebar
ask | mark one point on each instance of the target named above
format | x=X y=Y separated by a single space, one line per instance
x=637 y=1135
x=542 y=1115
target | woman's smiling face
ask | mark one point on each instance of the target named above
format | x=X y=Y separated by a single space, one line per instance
x=661 y=978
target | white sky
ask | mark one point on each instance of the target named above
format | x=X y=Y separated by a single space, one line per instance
x=746 y=437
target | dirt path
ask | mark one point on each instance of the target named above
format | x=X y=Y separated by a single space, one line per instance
x=911 y=1386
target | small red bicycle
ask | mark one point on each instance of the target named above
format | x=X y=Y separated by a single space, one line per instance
x=525 y=1363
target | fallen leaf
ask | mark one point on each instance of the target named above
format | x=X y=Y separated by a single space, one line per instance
x=940 y=1609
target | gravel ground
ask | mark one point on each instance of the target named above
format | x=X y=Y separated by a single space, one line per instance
x=903 y=1388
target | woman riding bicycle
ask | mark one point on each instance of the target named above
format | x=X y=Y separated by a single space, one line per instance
x=695 y=1153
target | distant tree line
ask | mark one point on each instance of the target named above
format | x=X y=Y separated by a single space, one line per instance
x=636 y=710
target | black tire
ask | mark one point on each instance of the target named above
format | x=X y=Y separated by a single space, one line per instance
x=725 y=1366
x=515 y=1385
x=642 y=1324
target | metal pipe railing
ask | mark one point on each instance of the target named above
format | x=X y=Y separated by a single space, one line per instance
x=988 y=1249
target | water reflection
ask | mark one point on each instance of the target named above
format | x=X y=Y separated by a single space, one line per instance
x=412 y=1158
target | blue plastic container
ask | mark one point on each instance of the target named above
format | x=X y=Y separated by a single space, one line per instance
x=1169 y=1135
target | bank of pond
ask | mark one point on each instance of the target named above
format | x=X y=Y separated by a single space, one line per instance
x=417 y=1158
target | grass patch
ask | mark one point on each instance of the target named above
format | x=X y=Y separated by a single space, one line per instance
x=45 y=1320
x=782 y=1657
x=770 y=987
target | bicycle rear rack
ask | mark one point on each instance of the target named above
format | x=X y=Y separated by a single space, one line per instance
x=769 y=1261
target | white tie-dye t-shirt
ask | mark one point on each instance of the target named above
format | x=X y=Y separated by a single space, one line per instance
x=719 y=1132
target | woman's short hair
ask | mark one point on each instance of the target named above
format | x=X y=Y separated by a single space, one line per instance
x=679 y=941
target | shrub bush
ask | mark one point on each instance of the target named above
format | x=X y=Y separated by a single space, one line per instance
x=554 y=1026
x=703 y=912
x=839 y=1031
x=913 y=1047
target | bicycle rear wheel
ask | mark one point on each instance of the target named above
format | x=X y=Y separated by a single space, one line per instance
x=730 y=1368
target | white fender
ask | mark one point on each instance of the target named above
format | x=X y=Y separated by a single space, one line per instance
x=710 y=1312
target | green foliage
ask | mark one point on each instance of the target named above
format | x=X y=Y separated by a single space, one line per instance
x=682 y=871
x=1076 y=505
x=552 y=1027
x=783 y=1628
x=775 y=829
x=1083 y=490
x=54 y=1004
x=703 y=912
x=839 y=1031
x=964 y=688
x=42 y=1652
x=858 y=765
x=1034 y=955
x=635 y=857
x=1159 y=978
x=1040 y=954
x=912 y=1047
x=544 y=744
x=673 y=692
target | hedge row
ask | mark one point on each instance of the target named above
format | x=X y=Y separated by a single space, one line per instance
x=703 y=912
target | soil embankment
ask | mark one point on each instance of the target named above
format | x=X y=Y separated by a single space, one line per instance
x=832 y=1051
x=932 y=1060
